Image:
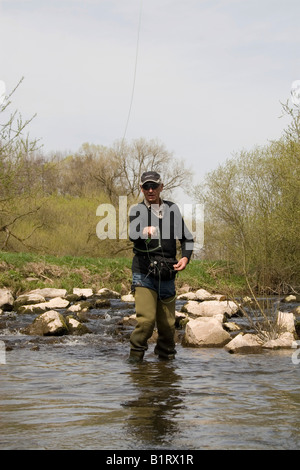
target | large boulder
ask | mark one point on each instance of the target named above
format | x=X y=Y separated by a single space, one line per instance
x=49 y=323
x=206 y=332
x=6 y=299
x=210 y=308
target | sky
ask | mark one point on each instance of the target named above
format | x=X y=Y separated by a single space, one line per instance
x=206 y=77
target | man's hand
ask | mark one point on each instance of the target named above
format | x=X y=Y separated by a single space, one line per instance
x=149 y=232
x=180 y=266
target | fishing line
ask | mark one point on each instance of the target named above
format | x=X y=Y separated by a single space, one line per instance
x=135 y=70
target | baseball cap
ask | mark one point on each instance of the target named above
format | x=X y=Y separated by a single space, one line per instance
x=152 y=176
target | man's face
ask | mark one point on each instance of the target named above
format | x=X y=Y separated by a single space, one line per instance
x=152 y=192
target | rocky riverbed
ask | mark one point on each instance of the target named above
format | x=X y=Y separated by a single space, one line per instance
x=202 y=319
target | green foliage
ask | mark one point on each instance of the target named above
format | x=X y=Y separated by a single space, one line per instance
x=26 y=271
x=22 y=272
x=252 y=205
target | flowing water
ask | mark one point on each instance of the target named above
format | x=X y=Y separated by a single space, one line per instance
x=80 y=393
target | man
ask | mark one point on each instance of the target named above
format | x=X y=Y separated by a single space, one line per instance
x=155 y=225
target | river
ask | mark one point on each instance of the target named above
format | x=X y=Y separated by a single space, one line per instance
x=80 y=393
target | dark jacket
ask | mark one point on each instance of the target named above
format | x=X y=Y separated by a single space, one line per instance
x=170 y=227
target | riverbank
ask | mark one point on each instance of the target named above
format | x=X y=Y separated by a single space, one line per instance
x=22 y=272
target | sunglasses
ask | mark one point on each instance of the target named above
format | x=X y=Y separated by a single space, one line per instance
x=148 y=186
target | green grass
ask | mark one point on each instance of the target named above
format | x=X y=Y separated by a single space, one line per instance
x=22 y=272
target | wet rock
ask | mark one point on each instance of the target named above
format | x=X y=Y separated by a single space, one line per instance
x=129 y=320
x=105 y=293
x=50 y=323
x=247 y=343
x=181 y=319
x=75 y=327
x=75 y=308
x=55 y=303
x=102 y=303
x=209 y=308
x=284 y=341
x=6 y=299
x=206 y=332
x=28 y=299
x=284 y=338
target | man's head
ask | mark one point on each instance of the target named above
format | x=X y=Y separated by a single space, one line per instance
x=151 y=186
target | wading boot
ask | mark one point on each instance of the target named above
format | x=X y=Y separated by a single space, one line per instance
x=165 y=319
x=145 y=307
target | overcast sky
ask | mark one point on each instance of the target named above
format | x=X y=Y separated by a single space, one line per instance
x=209 y=80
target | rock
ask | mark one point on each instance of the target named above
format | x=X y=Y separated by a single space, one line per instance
x=6 y=299
x=296 y=311
x=252 y=343
x=184 y=289
x=105 y=293
x=244 y=343
x=28 y=299
x=75 y=327
x=49 y=323
x=203 y=294
x=49 y=292
x=75 y=308
x=102 y=303
x=205 y=332
x=286 y=321
x=56 y=302
x=187 y=296
x=83 y=293
x=231 y=326
x=128 y=298
x=284 y=341
x=130 y=320
x=181 y=319
x=290 y=298
x=209 y=308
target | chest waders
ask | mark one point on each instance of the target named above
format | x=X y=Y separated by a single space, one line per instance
x=150 y=309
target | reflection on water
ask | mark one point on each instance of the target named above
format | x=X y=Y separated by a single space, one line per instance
x=155 y=408
x=81 y=393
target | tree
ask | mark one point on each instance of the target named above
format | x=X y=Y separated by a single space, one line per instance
x=16 y=183
x=252 y=211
